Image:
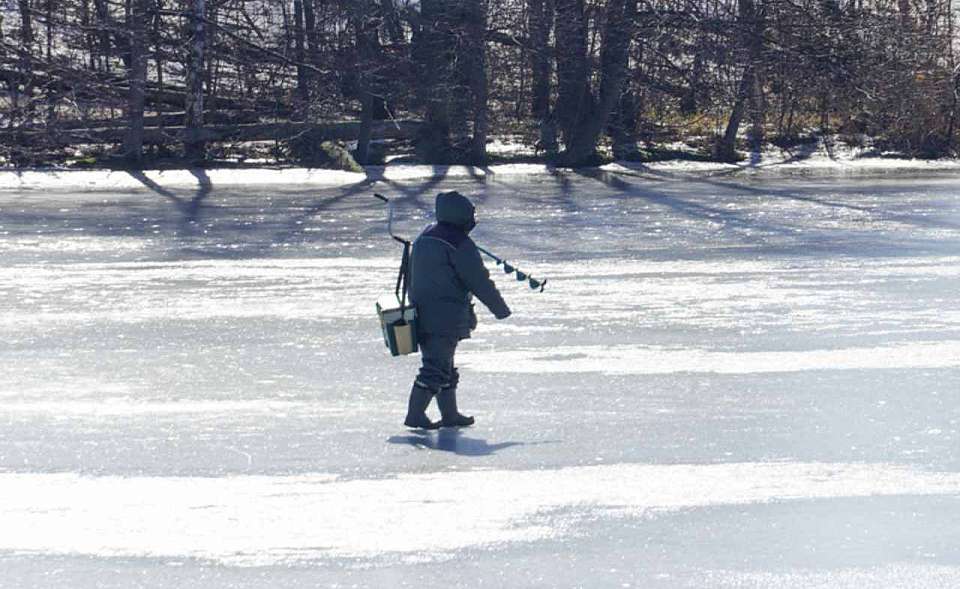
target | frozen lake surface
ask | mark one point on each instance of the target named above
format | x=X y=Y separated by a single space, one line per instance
x=730 y=381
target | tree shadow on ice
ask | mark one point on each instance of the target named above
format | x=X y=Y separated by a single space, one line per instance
x=885 y=211
x=243 y=227
x=451 y=440
x=189 y=208
x=743 y=226
x=375 y=181
x=516 y=233
x=297 y=224
x=754 y=230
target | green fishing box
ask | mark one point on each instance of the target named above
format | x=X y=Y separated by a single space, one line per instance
x=399 y=326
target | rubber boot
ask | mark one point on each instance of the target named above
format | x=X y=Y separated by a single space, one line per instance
x=417 y=409
x=450 y=416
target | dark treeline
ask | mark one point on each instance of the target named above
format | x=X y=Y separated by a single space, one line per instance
x=579 y=79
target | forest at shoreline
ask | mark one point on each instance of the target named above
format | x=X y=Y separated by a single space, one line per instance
x=334 y=83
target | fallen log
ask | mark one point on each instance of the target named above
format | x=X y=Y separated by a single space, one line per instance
x=168 y=119
x=108 y=88
x=345 y=131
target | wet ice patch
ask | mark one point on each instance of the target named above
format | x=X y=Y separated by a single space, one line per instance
x=903 y=574
x=129 y=407
x=641 y=292
x=661 y=360
x=87 y=244
x=263 y=520
x=130 y=292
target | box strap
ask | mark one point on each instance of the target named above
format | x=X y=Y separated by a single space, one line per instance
x=403 y=280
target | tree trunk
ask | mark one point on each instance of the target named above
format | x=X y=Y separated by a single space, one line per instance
x=756 y=102
x=26 y=24
x=303 y=83
x=690 y=99
x=574 y=99
x=450 y=52
x=431 y=50
x=954 y=81
x=156 y=38
x=582 y=115
x=313 y=37
x=623 y=127
x=52 y=97
x=194 y=145
x=26 y=44
x=474 y=69
x=367 y=38
x=614 y=57
x=103 y=30
x=540 y=20
x=392 y=21
x=749 y=93
x=362 y=154
x=89 y=40
x=212 y=61
x=49 y=17
x=540 y=23
x=726 y=148
x=136 y=95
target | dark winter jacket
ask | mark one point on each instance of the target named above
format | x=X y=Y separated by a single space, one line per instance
x=446 y=270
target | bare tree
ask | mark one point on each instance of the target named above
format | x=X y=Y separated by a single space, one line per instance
x=749 y=92
x=473 y=55
x=26 y=50
x=194 y=144
x=467 y=69
x=450 y=48
x=540 y=15
x=583 y=112
x=136 y=97
x=300 y=54
x=368 y=42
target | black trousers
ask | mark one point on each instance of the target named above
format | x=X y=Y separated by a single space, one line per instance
x=437 y=369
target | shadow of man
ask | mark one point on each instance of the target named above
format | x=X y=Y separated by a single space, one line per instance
x=451 y=440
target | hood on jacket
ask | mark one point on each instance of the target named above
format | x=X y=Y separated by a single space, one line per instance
x=456 y=209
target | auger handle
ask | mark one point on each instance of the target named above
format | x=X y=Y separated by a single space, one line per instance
x=389 y=204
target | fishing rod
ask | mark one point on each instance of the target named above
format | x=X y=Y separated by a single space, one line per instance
x=535 y=283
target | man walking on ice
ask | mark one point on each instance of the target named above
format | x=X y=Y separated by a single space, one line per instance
x=446 y=273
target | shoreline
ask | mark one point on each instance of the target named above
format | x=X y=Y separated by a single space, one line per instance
x=102 y=179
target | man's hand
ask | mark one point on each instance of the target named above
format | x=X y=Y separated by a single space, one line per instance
x=476 y=278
